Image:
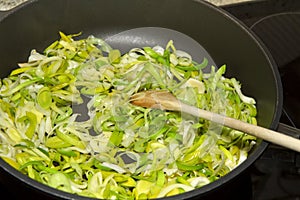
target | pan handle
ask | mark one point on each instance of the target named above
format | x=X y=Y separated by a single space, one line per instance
x=288 y=130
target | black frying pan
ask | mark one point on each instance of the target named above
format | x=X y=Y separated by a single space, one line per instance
x=194 y=25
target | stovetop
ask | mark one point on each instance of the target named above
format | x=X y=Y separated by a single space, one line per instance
x=276 y=175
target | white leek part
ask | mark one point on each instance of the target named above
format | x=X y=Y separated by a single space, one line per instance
x=159 y=50
x=237 y=88
x=59 y=180
x=173 y=59
x=169 y=188
x=184 y=58
x=114 y=167
x=188 y=134
x=199 y=85
x=98 y=41
x=198 y=181
x=72 y=64
x=35 y=56
x=95 y=182
x=243 y=156
x=136 y=52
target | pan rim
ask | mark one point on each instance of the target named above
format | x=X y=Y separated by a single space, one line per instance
x=205 y=189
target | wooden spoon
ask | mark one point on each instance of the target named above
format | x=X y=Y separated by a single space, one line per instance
x=166 y=101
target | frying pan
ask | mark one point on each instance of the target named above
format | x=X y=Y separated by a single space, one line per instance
x=194 y=25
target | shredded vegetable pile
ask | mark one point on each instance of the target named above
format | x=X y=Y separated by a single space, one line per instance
x=120 y=151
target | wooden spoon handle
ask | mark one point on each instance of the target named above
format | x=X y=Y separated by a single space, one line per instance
x=257 y=131
x=166 y=101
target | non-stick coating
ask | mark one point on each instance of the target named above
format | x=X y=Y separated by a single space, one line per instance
x=36 y=24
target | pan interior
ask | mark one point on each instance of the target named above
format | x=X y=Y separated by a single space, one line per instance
x=149 y=36
x=223 y=38
x=153 y=36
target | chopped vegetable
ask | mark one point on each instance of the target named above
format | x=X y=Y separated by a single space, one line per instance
x=121 y=151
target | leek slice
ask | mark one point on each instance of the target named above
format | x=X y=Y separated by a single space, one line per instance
x=120 y=151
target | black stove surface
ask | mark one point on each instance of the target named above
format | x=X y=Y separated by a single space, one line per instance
x=276 y=175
